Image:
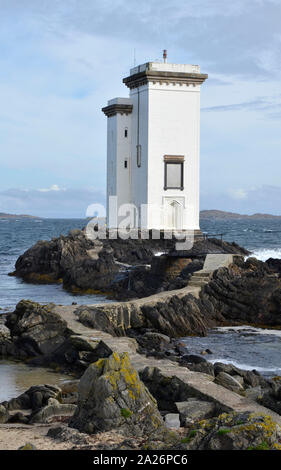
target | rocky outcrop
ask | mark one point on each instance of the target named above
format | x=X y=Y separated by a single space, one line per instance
x=74 y=260
x=112 y=396
x=175 y=315
x=36 y=329
x=243 y=293
x=83 y=264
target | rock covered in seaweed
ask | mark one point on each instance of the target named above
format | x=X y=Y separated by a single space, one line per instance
x=112 y=396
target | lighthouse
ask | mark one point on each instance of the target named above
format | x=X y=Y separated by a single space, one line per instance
x=153 y=148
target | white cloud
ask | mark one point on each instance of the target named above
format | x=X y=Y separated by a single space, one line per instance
x=238 y=193
x=54 y=187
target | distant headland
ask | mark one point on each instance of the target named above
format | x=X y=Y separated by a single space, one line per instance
x=3 y=215
x=215 y=214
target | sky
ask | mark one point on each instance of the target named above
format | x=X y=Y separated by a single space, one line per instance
x=61 y=60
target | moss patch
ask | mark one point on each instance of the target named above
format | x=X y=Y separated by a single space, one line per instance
x=126 y=413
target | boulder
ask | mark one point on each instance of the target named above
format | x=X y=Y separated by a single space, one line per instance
x=271 y=398
x=172 y=420
x=19 y=417
x=78 y=352
x=112 y=396
x=52 y=410
x=36 y=329
x=250 y=378
x=192 y=359
x=7 y=347
x=204 y=367
x=254 y=393
x=195 y=410
x=66 y=434
x=156 y=341
x=229 y=382
x=34 y=398
x=4 y=415
x=167 y=389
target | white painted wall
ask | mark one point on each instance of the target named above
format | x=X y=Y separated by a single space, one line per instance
x=168 y=117
x=118 y=150
x=174 y=120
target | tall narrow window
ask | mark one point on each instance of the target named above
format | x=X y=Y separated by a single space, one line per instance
x=126 y=132
x=139 y=155
x=173 y=178
x=125 y=163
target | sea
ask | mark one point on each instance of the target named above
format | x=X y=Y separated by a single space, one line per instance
x=246 y=347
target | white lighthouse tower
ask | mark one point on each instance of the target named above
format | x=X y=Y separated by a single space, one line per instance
x=153 y=141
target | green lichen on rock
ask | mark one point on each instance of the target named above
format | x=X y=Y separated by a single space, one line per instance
x=112 y=396
x=229 y=431
x=237 y=431
x=221 y=432
x=27 y=446
x=126 y=413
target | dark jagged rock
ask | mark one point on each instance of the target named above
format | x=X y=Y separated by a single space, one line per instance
x=75 y=354
x=244 y=293
x=274 y=265
x=82 y=264
x=153 y=341
x=36 y=329
x=272 y=397
x=177 y=316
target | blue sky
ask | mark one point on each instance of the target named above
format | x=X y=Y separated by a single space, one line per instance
x=61 y=60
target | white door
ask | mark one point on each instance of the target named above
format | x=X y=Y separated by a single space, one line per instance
x=174 y=216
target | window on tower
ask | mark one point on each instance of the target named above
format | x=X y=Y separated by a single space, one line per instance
x=126 y=132
x=139 y=156
x=173 y=175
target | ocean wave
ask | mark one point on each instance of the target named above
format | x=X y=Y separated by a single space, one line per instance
x=250 y=329
x=264 y=254
x=239 y=365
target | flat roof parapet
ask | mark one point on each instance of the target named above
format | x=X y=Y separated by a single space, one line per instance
x=167 y=73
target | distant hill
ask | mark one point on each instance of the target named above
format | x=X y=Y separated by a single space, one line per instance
x=215 y=214
x=17 y=216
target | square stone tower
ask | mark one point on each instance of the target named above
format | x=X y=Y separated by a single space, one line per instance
x=153 y=142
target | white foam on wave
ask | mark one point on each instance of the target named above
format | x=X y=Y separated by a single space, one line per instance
x=159 y=253
x=245 y=366
x=265 y=253
x=250 y=330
